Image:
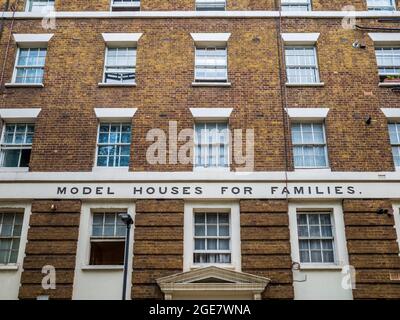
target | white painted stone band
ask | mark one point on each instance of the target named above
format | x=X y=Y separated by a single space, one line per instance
x=199 y=190
x=197 y=14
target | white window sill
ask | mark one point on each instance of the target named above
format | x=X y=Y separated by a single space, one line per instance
x=389 y=84
x=104 y=84
x=306 y=169
x=211 y=169
x=10 y=267
x=110 y=169
x=24 y=85
x=12 y=169
x=211 y=84
x=317 y=84
x=317 y=266
x=102 y=268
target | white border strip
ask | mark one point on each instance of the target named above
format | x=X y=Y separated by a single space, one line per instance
x=203 y=14
x=212 y=176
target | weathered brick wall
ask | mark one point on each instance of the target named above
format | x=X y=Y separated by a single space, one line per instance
x=65 y=138
x=266 y=245
x=52 y=240
x=373 y=249
x=153 y=5
x=351 y=92
x=158 y=246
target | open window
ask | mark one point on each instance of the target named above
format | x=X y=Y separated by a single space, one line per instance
x=16 y=145
x=107 y=240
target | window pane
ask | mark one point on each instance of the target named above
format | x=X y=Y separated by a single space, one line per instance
x=304 y=256
x=13 y=256
x=199 y=218
x=326 y=231
x=224 y=231
x=313 y=219
x=97 y=231
x=303 y=231
x=199 y=230
x=316 y=256
x=223 y=245
x=211 y=244
x=108 y=231
x=121 y=231
x=200 y=244
x=17 y=230
x=211 y=230
x=328 y=256
x=11 y=158
x=211 y=218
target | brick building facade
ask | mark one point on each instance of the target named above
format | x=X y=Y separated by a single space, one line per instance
x=315 y=200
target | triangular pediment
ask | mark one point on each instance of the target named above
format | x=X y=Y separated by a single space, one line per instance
x=213 y=275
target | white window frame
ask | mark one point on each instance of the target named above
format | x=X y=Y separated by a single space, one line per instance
x=338 y=230
x=234 y=209
x=211 y=80
x=316 y=67
x=104 y=239
x=396 y=214
x=85 y=273
x=14 y=212
x=85 y=232
x=391 y=7
x=10 y=274
x=380 y=47
x=105 y=66
x=309 y=238
x=307 y=3
x=133 y=4
x=217 y=251
x=25 y=209
x=392 y=145
x=325 y=145
x=220 y=168
x=17 y=147
x=14 y=75
x=44 y=8
x=114 y=121
x=211 y=2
